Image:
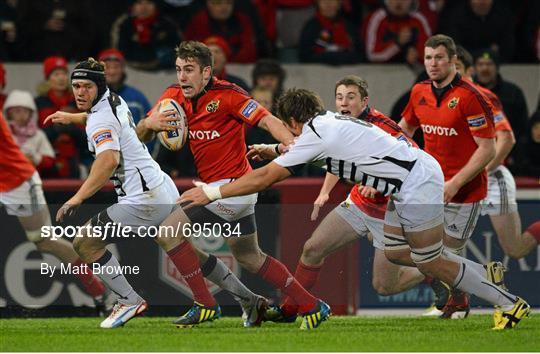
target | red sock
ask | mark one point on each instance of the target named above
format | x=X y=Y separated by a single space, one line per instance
x=92 y=285
x=275 y=273
x=534 y=230
x=307 y=277
x=187 y=263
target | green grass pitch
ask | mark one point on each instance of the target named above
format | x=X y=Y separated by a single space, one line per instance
x=407 y=333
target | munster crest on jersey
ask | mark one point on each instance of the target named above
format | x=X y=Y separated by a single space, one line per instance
x=212 y=106
x=453 y=102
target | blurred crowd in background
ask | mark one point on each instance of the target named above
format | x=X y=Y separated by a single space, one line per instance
x=142 y=34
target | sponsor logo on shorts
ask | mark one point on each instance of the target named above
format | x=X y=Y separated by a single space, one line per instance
x=250 y=107
x=222 y=208
x=438 y=130
x=102 y=137
x=452 y=227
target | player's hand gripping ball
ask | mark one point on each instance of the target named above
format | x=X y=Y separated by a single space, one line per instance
x=174 y=139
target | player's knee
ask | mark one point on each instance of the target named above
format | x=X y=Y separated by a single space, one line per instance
x=250 y=261
x=313 y=252
x=34 y=236
x=381 y=287
x=44 y=245
x=513 y=252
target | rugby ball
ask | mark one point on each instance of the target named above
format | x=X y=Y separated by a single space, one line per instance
x=174 y=139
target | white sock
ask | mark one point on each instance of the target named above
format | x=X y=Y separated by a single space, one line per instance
x=473 y=283
x=478 y=268
x=116 y=281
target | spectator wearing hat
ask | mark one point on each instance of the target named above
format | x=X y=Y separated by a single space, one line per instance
x=486 y=66
x=146 y=36
x=329 y=38
x=2 y=86
x=220 y=53
x=115 y=74
x=220 y=18
x=69 y=141
x=56 y=94
x=269 y=74
x=479 y=24
x=21 y=114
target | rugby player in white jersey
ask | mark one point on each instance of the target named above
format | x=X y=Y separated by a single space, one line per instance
x=146 y=195
x=355 y=150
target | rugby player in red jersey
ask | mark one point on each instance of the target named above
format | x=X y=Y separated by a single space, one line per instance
x=457 y=122
x=500 y=203
x=216 y=112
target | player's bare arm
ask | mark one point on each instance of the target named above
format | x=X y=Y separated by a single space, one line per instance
x=478 y=161
x=329 y=183
x=259 y=152
x=407 y=128
x=252 y=182
x=275 y=127
x=504 y=144
x=60 y=117
x=102 y=169
x=155 y=122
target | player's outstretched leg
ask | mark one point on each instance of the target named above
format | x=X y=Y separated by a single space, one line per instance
x=427 y=253
x=247 y=252
x=182 y=254
x=63 y=250
x=92 y=250
x=253 y=305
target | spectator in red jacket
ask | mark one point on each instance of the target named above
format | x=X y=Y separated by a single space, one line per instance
x=396 y=33
x=328 y=37
x=219 y=18
x=68 y=141
x=56 y=94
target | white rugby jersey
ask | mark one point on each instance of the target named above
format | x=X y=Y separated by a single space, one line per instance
x=110 y=126
x=352 y=149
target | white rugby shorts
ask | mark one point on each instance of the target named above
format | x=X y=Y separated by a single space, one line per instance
x=26 y=199
x=501 y=196
x=361 y=222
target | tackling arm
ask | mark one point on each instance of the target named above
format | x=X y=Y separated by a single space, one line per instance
x=255 y=181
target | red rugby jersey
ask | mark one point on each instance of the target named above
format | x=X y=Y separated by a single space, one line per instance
x=449 y=126
x=15 y=168
x=215 y=123
x=376 y=207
